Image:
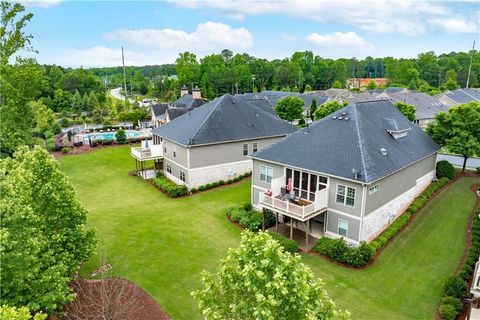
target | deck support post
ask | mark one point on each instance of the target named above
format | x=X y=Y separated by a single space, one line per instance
x=263 y=219
x=276 y=221
x=307 y=231
x=291 y=228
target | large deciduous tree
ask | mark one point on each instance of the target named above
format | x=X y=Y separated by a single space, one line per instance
x=42 y=233
x=258 y=280
x=406 y=109
x=458 y=130
x=290 y=108
x=327 y=108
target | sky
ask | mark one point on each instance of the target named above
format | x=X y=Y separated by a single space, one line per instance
x=91 y=34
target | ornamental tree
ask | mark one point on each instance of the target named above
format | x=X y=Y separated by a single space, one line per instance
x=458 y=131
x=327 y=108
x=258 y=280
x=407 y=110
x=313 y=108
x=42 y=233
x=22 y=313
x=290 y=108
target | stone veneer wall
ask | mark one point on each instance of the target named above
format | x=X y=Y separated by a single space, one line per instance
x=380 y=219
x=204 y=175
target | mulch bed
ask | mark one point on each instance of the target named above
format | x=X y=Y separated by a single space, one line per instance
x=83 y=149
x=112 y=298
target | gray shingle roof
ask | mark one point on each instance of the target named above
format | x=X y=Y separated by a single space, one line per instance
x=274 y=96
x=187 y=102
x=336 y=147
x=461 y=96
x=426 y=106
x=159 y=109
x=222 y=120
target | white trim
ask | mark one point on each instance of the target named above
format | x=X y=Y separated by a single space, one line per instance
x=362 y=211
x=376 y=188
x=221 y=142
x=346 y=192
x=338 y=227
x=176 y=163
x=219 y=165
x=336 y=236
x=175 y=179
x=345 y=214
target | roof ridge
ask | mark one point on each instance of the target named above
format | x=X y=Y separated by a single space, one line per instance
x=208 y=116
x=468 y=94
x=362 y=153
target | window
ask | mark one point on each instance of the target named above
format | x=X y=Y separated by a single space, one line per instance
x=165 y=149
x=373 y=189
x=266 y=174
x=345 y=195
x=255 y=147
x=182 y=176
x=169 y=169
x=305 y=184
x=245 y=149
x=342 y=227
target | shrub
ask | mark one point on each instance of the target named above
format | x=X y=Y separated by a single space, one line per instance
x=455 y=286
x=193 y=190
x=201 y=188
x=235 y=213
x=455 y=302
x=359 y=256
x=478 y=169
x=65 y=150
x=208 y=186
x=120 y=136
x=170 y=187
x=236 y=179
x=65 y=122
x=445 y=169
x=340 y=251
x=448 y=312
x=221 y=182
x=247 y=206
x=249 y=218
x=107 y=142
x=288 y=245
x=229 y=181
x=214 y=184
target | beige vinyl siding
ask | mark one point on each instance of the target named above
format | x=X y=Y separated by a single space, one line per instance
x=180 y=152
x=332 y=196
x=353 y=224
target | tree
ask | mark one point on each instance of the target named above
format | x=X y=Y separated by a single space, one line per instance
x=23 y=313
x=313 y=108
x=371 y=85
x=337 y=84
x=258 y=280
x=451 y=83
x=188 y=69
x=407 y=110
x=290 y=108
x=120 y=136
x=42 y=232
x=327 y=108
x=458 y=131
x=45 y=119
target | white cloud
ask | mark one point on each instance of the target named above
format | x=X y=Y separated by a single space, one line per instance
x=455 y=25
x=208 y=37
x=39 y=3
x=379 y=16
x=288 y=37
x=236 y=16
x=338 y=40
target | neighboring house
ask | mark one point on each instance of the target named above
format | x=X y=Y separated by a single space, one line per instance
x=363 y=82
x=427 y=107
x=158 y=114
x=212 y=142
x=475 y=291
x=460 y=96
x=274 y=96
x=353 y=172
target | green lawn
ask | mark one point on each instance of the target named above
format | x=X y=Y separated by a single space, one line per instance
x=163 y=244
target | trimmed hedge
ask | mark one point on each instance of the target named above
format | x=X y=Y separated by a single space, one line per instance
x=402 y=221
x=288 y=245
x=169 y=187
x=249 y=218
x=445 y=169
x=340 y=251
x=220 y=183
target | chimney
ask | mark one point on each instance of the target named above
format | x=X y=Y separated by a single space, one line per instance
x=196 y=94
x=183 y=90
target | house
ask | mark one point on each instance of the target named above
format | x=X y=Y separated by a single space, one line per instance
x=427 y=107
x=352 y=173
x=459 y=96
x=212 y=142
x=475 y=291
x=363 y=82
x=158 y=114
x=274 y=96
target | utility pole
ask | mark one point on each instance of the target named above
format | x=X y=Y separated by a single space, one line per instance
x=470 y=66
x=124 y=76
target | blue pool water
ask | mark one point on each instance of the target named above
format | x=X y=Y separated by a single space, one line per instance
x=110 y=135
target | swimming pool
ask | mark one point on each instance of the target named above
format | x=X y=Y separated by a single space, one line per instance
x=110 y=135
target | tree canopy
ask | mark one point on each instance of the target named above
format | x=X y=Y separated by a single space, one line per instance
x=458 y=130
x=327 y=108
x=290 y=108
x=42 y=233
x=258 y=280
x=406 y=109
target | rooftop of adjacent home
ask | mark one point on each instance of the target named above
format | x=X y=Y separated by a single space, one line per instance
x=224 y=119
x=364 y=141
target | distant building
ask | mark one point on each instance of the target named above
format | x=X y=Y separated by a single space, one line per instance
x=459 y=96
x=362 y=82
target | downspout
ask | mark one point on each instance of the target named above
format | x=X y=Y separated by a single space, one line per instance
x=362 y=211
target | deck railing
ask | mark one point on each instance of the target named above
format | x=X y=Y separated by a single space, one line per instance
x=152 y=152
x=301 y=212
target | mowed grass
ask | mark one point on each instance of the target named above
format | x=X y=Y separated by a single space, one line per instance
x=163 y=244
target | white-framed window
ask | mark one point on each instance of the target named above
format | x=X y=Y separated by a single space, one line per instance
x=255 y=147
x=342 y=227
x=169 y=169
x=345 y=195
x=182 y=176
x=245 y=149
x=373 y=189
x=266 y=174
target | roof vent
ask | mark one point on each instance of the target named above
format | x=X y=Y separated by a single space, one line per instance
x=355 y=174
x=383 y=151
x=340 y=118
x=335 y=117
x=346 y=118
x=344 y=113
x=233 y=101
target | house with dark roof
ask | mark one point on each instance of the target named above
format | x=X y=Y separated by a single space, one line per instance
x=159 y=114
x=459 y=96
x=212 y=142
x=350 y=174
